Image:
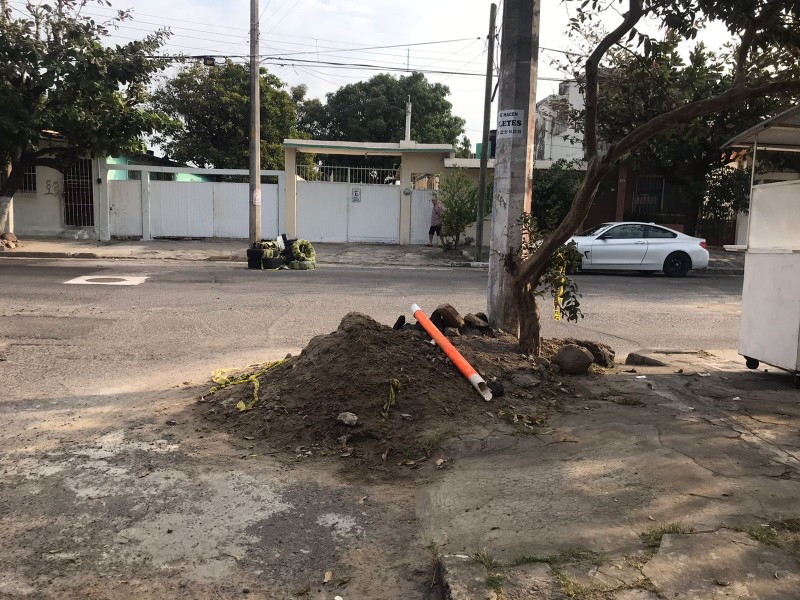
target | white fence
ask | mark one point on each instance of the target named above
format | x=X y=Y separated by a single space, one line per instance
x=150 y=209
x=325 y=211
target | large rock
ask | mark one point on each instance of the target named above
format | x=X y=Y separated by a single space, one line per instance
x=449 y=316
x=603 y=354
x=476 y=322
x=573 y=359
x=9 y=237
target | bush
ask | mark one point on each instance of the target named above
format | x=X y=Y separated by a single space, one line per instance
x=459 y=196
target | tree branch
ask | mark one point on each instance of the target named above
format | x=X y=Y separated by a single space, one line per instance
x=693 y=110
x=632 y=17
x=747 y=39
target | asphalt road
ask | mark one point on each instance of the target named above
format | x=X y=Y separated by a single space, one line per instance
x=187 y=318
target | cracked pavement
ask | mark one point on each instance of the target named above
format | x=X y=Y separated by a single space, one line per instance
x=714 y=453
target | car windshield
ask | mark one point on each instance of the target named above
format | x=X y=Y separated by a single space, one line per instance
x=593 y=231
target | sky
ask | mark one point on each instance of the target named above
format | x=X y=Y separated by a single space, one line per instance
x=334 y=30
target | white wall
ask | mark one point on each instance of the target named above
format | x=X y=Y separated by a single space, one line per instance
x=40 y=212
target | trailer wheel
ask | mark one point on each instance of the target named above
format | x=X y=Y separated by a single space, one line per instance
x=751 y=363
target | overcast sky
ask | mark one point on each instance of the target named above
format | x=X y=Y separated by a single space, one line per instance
x=333 y=30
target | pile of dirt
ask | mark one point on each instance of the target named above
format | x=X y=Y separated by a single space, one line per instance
x=298 y=403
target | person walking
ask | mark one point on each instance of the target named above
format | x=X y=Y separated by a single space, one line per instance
x=436 y=219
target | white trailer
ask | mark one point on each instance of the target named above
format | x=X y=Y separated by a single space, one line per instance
x=770 y=325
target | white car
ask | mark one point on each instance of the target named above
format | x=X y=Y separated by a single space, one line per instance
x=642 y=247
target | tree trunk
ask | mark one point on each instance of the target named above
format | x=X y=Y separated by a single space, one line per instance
x=530 y=327
x=5 y=210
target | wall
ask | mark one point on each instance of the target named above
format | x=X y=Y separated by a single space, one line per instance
x=39 y=213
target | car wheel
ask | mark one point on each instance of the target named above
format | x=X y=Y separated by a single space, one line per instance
x=677 y=264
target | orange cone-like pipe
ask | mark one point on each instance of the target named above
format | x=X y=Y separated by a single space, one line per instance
x=459 y=361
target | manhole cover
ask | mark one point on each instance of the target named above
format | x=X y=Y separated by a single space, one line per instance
x=106 y=280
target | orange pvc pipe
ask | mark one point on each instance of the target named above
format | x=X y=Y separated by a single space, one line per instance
x=459 y=361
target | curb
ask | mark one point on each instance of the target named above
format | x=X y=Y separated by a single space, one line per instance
x=723 y=270
x=474 y=265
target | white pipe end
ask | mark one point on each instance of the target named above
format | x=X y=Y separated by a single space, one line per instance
x=414 y=308
x=480 y=385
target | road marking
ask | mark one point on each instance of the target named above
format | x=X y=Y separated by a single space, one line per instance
x=106 y=280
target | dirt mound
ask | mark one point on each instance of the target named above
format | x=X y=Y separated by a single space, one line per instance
x=297 y=402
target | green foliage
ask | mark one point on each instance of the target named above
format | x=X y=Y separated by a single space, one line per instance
x=645 y=78
x=555 y=279
x=211 y=109
x=727 y=193
x=553 y=192
x=464 y=149
x=375 y=111
x=56 y=75
x=459 y=196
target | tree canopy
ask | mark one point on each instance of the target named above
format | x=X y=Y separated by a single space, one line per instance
x=375 y=111
x=690 y=155
x=57 y=76
x=211 y=109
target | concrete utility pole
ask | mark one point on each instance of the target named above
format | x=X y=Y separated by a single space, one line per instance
x=255 y=126
x=487 y=115
x=516 y=117
x=4 y=12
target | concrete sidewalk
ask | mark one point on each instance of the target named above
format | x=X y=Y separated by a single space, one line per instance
x=722 y=262
x=671 y=482
x=228 y=250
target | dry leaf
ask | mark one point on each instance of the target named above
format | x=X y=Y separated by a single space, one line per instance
x=364 y=499
x=328 y=577
x=651 y=518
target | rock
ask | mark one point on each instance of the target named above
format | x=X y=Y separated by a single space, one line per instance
x=554 y=368
x=542 y=362
x=476 y=322
x=438 y=321
x=602 y=353
x=482 y=316
x=347 y=418
x=451 y=332
x=172 y=423
x=497 y=388
x=573 y=359
x=401 y=321
x=9 y=237
x=525 y=380
x=449 y=316
x=643 y=360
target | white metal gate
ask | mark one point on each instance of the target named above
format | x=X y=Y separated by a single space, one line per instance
x=125 y=208
x=343 y=212
x=421 y=208
x=322 y=211
x=373 y=214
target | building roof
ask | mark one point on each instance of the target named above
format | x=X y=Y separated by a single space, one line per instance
x=781 y=132
x=366 y=148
